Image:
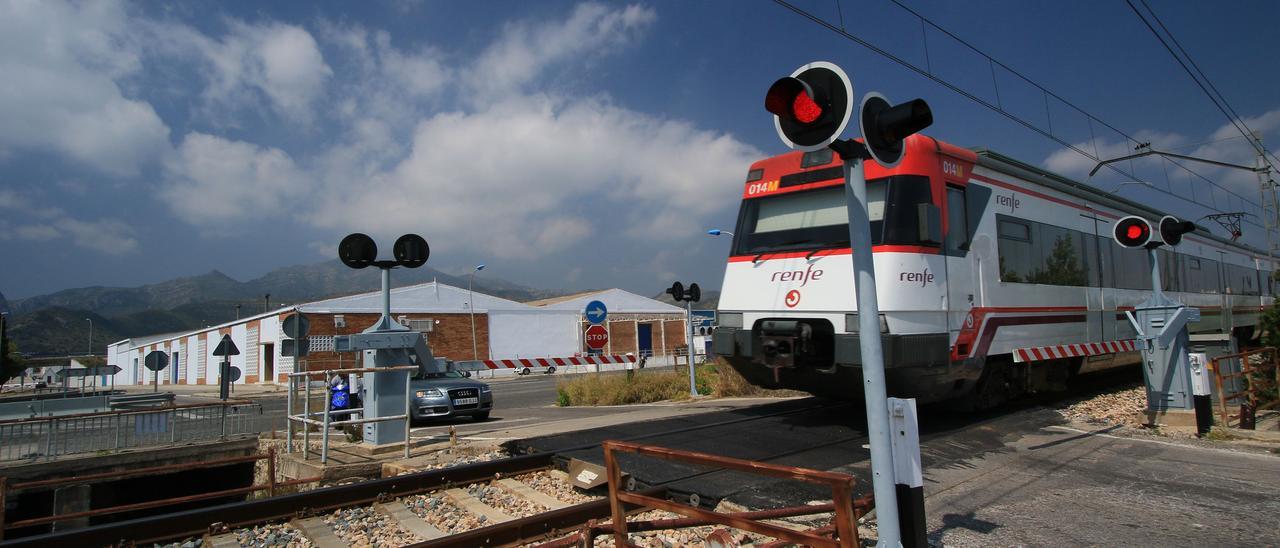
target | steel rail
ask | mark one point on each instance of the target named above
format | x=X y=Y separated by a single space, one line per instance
x=158 y=503
x=562 y=521
x=196 y=522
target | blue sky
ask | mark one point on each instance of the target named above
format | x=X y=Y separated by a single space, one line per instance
x=564 y=144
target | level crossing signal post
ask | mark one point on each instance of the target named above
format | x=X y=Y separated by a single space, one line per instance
x=691 y=295
x=1161 y=322
x=811 y=109
x=386 y=343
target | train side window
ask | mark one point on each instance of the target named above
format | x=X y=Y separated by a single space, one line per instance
x=1211 y=281
x=820 y=157
x=1018 y=256
x=1013 y=230
x=1131 y=268
x=1105 y=261
x=957 y=220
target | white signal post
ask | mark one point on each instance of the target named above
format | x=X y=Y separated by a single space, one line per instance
x=875 y=394
x=811 y=108
x=688 y=322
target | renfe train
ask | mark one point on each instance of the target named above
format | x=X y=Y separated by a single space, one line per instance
x=1022 y=287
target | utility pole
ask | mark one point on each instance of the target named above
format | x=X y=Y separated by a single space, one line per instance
x=1270 y=211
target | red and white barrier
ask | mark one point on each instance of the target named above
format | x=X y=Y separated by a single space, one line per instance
x=545 y=364
x=1041 y=353
x=556 y=362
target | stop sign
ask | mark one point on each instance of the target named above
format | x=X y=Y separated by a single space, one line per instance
x=596 y=337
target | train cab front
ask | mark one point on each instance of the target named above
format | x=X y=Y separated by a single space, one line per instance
x=787 y=312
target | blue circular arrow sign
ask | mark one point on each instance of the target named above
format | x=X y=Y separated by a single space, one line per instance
x=596 y=312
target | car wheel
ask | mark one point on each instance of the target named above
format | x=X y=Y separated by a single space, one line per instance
x=524 y=371
x=481 y=417
x=551 y=369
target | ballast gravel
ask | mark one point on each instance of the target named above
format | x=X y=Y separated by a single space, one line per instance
x=443 y=514
x=363 y=527
x=550 y=484
x=278 y=534
x=509 y=503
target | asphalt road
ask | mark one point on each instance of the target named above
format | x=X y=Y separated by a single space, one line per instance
x=521 y=400
x=1022 y=476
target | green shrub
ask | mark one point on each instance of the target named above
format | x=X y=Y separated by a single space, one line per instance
x=1270 y=326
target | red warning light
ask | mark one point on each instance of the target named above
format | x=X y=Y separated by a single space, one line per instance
x=1132 y=231
x=805 y=109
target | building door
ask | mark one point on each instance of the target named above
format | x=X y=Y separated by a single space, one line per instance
x=268 y=363
x=644 y=339
x=173 y=369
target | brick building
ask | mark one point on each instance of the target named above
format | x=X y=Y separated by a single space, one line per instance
x=636 y=324
x=503 y=329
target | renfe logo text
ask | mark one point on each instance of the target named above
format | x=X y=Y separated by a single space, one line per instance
x=1011 y=201
x=924 y=277
x=802 y=276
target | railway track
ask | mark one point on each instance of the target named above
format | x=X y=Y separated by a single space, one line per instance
x=505 y=501
x=520 y=499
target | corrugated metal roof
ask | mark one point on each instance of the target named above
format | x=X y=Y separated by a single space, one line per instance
x=616 y=300
x=429 y=297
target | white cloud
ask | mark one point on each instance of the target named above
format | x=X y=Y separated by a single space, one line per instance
x=11 y=200
x=269 y=63
x=526 y=50
x=108 y=236
x=1073 y=164
x=35 y=232
x=62 y=64
x=214 y=182
x=1224 y=144
x=513 y=179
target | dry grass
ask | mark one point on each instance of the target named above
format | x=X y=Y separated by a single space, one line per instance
x=647 y=386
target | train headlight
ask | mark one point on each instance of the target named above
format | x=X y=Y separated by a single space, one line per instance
x=851 y=323
x=731 y=319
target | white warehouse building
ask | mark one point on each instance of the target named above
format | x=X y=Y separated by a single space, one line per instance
x=496 y=329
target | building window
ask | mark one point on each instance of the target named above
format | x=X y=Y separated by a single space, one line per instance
x=422 y=326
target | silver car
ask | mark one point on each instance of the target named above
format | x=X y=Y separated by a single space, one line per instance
x=450 y=394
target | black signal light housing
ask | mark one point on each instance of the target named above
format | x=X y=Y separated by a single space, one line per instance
x=1172 y=229
x=812 y=106
x=1132 y=231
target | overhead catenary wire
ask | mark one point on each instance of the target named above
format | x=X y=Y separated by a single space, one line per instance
x=1201 y=80
x=1048 y=116
x=999 y=110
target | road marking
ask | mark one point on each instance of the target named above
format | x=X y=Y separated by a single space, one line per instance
x=445 y=426
x=1093 y=433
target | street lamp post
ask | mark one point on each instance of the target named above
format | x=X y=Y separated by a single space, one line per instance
x=471 y=306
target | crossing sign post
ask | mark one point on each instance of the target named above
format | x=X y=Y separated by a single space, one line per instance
x=226 y=348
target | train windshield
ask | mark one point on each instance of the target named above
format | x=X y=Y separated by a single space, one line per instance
x=817 y=219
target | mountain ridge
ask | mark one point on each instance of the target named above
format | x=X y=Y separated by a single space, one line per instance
x=59 y=322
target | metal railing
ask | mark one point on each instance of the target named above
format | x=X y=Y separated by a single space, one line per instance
x=38 y=438
x=844 y=526
x=1258 y=388
x=326 y=421
x=6 y=488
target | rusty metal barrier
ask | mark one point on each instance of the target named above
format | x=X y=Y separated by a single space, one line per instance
x=1256 y=383
x=844 y=526
x=270 y=487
